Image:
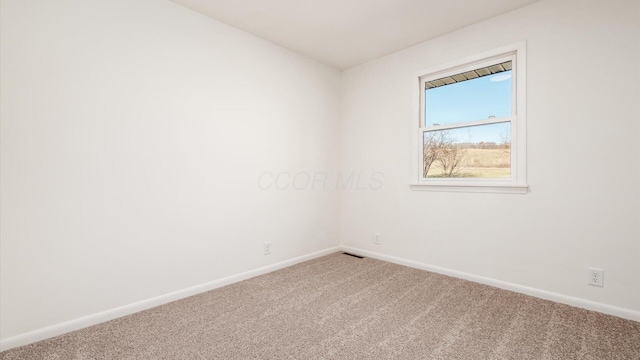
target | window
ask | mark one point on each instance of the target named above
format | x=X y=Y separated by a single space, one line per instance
x=471 y=117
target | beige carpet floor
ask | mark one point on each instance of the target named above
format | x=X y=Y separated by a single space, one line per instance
x=341 y=307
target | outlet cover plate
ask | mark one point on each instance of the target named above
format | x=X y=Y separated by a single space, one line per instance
x=595 y=277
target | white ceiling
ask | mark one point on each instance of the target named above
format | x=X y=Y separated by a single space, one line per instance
x=345 y=33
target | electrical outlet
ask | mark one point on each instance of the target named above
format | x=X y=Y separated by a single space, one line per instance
x=596 y=277
x=267 y=248
x=376 y=239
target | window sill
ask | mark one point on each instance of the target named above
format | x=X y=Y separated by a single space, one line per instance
x=473 y=188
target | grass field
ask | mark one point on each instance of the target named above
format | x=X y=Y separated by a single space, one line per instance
x=480 y=163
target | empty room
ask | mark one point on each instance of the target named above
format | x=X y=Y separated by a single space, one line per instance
x=286 y=179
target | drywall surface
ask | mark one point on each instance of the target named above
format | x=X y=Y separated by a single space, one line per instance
x=134 y=135
x=583 y=125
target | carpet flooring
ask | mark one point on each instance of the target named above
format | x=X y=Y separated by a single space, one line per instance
x=341 y=307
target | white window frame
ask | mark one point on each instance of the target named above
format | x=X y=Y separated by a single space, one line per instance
x=517 y=183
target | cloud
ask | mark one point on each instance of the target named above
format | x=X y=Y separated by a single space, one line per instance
x=500 y=77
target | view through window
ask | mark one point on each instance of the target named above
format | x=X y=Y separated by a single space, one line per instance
x=467 y=123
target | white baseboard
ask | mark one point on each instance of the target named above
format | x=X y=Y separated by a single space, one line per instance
x=94 y=319
x=543 y=294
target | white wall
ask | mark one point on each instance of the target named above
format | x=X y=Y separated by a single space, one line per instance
x=133 y=137
x=583 y=163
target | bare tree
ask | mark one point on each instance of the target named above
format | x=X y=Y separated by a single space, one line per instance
x=505 y=138
x=451 y=159
x=433 y=144
x=440 y=147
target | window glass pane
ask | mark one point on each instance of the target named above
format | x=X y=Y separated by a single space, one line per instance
x=480 y=97
x=482 y=151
